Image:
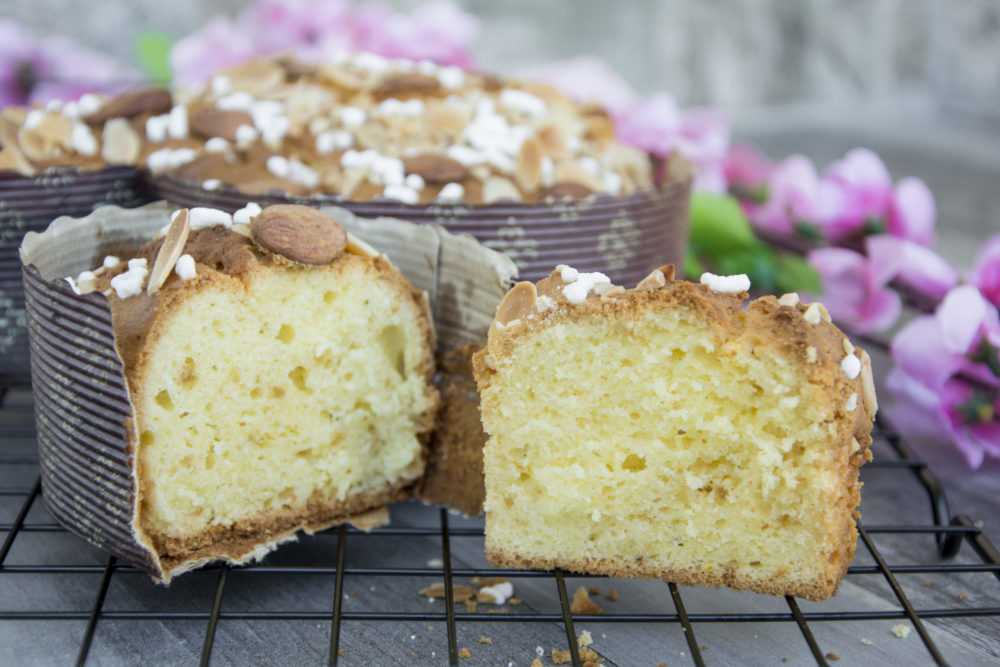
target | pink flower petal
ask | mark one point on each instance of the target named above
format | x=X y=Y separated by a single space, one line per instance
x=866 y=179
x=920 y=350
x=746 y=168
x=986 y=274
x=961 y=317
x=912 y=212
x=586 y=79
x=912 y=265
x=849 y=293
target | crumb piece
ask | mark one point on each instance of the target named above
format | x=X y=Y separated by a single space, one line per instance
x=962 y=596
x=539 y=651
x=536 y=663
x=513 y=602
x=927 y=583
x=459 y=592
x=902 y=630
x=832 y=656
x=353 y=594
x=866 y=641
x=784 y=660
x=662 y=664
x=464 y=653
x=613 y=595
x=435 y=563
x=486 y=640
x=430 y=628
x=587 y=656
x=585 y=639
x=582 y=604
x=340 y=652
x=499 y=610
x=594 y=590
x=703 y=647
x=470 y=606
x=496 y=594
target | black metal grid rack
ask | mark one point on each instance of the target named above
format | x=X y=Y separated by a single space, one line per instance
x=20 y=497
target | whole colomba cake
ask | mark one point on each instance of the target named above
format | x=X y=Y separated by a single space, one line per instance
x=277 y=377
x=519 y=165
x=370 y=127
x=61 y=159
x=673 y=431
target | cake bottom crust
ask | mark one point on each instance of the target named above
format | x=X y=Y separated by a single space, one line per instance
x=244 y=540
x=815 y=590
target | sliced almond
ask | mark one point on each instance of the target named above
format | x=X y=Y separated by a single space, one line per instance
x=131 y=104
x=553 y=141
x=33 y=145
x=356 y=246
x=340 y=77
x=211 y=122
x=170 y=251
x=400 y=84
x=435 y=168
x=652 y=281
x=599 y=129
x=868 y=385
x=529 y=164
x=120 y=142
x=518 y=303
x=447 y=118
x=498 y=188
x=571 y=171
x=55 y=129
x=256 y=76
x=9 y=161
x=566 y=189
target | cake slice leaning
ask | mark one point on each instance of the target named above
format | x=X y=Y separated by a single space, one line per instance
x=667 y=431
x=278 y=377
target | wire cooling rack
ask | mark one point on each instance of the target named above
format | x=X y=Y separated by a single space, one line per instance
x=23 y=518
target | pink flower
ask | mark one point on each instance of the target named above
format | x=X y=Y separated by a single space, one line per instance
x=986 y=274
x=437 y=30
x=792 y=189
x=219 y=43
x=912 y=212
x=747 y=170
x=319 y=30
x=910 y=265
x=853 y=291
x=658 y=126
x=55 y=68
x=586 y=79
x=947 y=375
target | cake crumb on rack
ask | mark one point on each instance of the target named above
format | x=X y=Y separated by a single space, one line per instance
x=582 y=604
x=867 y=642
x=613 y=595
x=464 y=653
x=832 y=656
x=486 y=640
x=594 y=590
x=901 y=630
x=587 y=656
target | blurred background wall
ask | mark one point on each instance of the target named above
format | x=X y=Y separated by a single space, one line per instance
x=944 y=53
x=918 y=81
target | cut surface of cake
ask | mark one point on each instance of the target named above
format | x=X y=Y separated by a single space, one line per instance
x=280 y=379
x=667 y=431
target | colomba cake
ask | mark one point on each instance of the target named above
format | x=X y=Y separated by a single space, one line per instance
x=672 y=431
x=278 y=374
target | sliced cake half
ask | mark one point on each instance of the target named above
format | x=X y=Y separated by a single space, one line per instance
x=671 y=431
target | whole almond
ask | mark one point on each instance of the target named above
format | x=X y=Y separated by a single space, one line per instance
x=11 y=147
x=299 y=233
x=170 y=250
x=131 y=104
x=529 y=164
x=33 y=145
x=120 y=143
x=396 y=84
x=211 y=122
x=517 y=303
x=435 y=168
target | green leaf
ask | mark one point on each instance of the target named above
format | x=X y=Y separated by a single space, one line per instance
x=693 y=268
x=808 y=230
x=718 y=224
x=795 y=274
x=874 y=226
x=152 y=50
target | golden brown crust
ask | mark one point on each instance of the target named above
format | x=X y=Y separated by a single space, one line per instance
x=785 y=331
x=236 y=542
x=454 y=473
